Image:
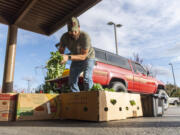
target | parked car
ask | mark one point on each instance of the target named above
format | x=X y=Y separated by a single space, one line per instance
x=174 y=101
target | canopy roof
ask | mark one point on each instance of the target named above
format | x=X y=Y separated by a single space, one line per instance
x=42 y=16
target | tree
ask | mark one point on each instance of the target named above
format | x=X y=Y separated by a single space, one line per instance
x=148 y=67
x=137 y=58
x=171 y=91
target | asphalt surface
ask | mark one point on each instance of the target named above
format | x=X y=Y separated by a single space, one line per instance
x=169 y=124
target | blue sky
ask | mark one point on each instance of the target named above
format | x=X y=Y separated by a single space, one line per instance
x=150 y=28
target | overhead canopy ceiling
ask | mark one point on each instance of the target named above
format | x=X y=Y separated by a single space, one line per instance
x=42 y=16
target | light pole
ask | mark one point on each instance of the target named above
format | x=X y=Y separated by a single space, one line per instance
x=115 y=25
x=173 y=74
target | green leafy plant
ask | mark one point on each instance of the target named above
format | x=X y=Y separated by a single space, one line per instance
x=113 y=101
x=98 y=87
x=111 y=90
x=65 y=88
x=132 y=102
x=54 y=66
x=54 y=70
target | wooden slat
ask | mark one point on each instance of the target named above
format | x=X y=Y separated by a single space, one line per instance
x=66 y=4
x=52 y=8
x=76 y=12
x=24 y=10
x=41 y=22
x=41 y=16
x=32 y=28
x=10 y=4
x=57 y=8
x=15 y=2
x=72 y=2
x=7 y=8
x=6 y=16
x=3 y=20
x=46 y=12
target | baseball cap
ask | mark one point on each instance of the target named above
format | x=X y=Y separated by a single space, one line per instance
x=73 y=24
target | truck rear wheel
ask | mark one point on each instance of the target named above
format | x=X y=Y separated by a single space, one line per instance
x=118 y=86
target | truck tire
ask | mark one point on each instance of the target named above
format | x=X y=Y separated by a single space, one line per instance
x=166 y=102
x=118 y=87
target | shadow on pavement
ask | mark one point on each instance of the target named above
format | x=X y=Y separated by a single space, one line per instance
x=74 y=123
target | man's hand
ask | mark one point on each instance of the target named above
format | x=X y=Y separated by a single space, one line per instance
x=65 y=58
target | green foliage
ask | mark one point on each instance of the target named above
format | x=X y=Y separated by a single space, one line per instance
x=39 y=88
x=132 y=102
x=54 y=66
x=54 y=70
x=98 y=87
x=111 y=89
x=171 y=90
x=65 y=88
x=113 y=101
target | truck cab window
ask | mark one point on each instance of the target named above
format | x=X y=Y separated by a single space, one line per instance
x=118 y=60
x=140 y=69
x=100 y=54
x=134 y=67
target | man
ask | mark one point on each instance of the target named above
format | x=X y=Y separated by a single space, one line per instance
x=82 y=55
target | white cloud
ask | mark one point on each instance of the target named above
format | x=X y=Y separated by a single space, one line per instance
x=174 y=49
x=29 y=78
x=150 y=28
x=162 y=11
x=161 y=71
x=147 y=26
x=176 y=59
x=158 y=70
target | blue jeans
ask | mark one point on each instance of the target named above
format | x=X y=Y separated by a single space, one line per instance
x=77 y=67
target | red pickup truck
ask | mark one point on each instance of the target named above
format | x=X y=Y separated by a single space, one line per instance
x=121 y=74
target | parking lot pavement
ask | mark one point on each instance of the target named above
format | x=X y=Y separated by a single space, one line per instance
x=173 y=111
x=167 y=125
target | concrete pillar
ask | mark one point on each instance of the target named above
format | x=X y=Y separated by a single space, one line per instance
x=9 y=65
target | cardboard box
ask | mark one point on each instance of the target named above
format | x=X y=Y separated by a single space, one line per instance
x=38 y=106
x=134 y=104
x=99 y=106
x=7 y=106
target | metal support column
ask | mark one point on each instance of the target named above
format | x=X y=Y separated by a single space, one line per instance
x=9 y=65
x=115 y=39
